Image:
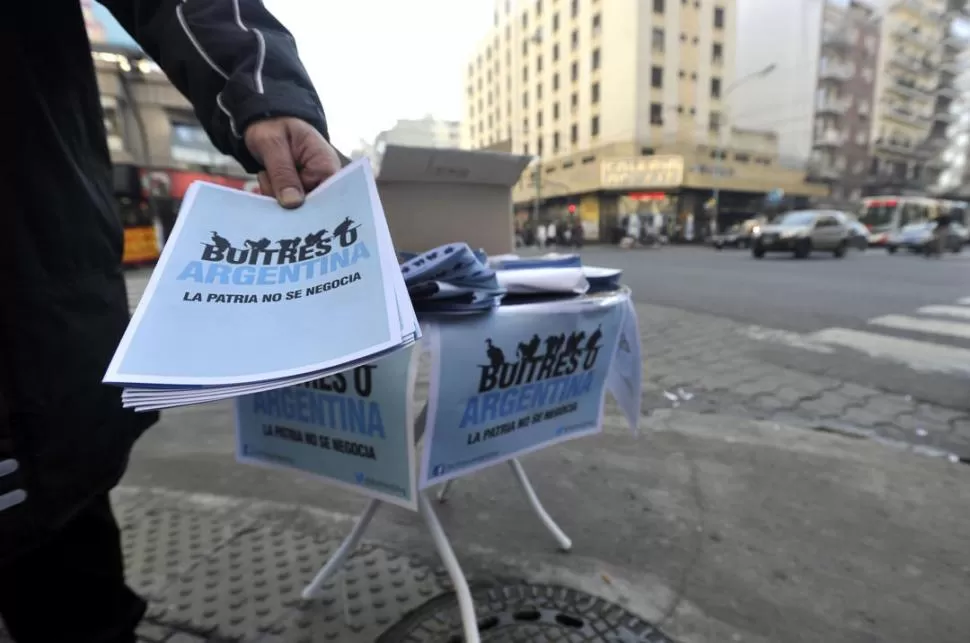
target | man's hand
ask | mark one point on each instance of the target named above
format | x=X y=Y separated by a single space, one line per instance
x=296 y=156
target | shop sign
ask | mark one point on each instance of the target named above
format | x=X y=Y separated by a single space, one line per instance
x=647 y=172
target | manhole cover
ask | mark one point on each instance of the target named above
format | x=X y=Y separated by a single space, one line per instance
x=524 y=613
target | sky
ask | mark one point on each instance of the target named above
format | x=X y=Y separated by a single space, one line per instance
x=374 y=61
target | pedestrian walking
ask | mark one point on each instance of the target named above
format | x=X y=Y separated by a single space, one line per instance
x=541 y=235
x=64 y=437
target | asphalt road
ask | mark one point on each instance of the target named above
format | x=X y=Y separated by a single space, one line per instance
x=781 y=292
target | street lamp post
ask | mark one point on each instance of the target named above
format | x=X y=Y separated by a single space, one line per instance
x=724 y=128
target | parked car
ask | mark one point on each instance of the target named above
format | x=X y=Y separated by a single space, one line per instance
x=802 y=232
x=916 y=237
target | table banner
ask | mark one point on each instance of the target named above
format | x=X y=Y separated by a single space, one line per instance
x=625 y=380
x=354 y=429
x=520 y=379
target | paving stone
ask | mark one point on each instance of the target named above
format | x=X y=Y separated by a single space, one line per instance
x=936 y=414
x=183 y=637
x=153 y=633
x=861 y=417
x=756 y=387
x=828 y=405
x=857 y=392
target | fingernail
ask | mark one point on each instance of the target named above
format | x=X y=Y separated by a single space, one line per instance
x=290 y=197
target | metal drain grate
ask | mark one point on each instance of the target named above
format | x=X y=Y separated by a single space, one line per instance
x=522 y=613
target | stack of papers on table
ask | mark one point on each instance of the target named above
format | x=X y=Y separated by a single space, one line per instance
x=451 y=279
x=249 y=297
x=552 y=275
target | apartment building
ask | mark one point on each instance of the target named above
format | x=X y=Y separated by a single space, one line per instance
x=589 y=85
x=912 y=97
x=819 y=99
x=954 y=159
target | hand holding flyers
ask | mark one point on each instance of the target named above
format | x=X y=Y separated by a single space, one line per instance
x=249 y=297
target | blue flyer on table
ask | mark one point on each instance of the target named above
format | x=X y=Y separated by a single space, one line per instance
x=247 y=291
x=355 y=429
x=515 y=381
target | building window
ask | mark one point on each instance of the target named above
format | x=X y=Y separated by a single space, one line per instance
x=596 y=24
x=525 y=148
x=525 y=99
x=718 y=17
x=525 y=47
x=658 y=6
x=715 y=123
x=555 y=111
x=574 y=8
x=717 y=52
x=574 y=100
x=595 y=63
x=574 y=134
x=525 y=73
x=538 y=7
x=555 y=52
x=594 y=93
x=656 y=114
x=574 y=72
x=539 y=146
x=525 y=20
x=657 y=39
x=574 y=39
x=539 y=91
x=555 y=21
x=525 y=124
x=657 y=77
x=594 y=126
x=538 y=63
x=555 y=81
x=555 y=141
x=741 y=157
x=539 y=118
x=715 y=88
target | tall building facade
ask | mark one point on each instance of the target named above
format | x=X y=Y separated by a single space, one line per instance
x=624 y=105
x=821 y=99
x=954 y=179
x=556 y=76
x=912 y=98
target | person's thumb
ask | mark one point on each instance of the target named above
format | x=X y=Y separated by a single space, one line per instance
x=283 y=177
x=269 y=143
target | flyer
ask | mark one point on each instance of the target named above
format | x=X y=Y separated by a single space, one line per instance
x=247 y=294
x=515 y=381
x=354 y=429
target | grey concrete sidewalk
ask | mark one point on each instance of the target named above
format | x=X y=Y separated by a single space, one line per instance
x=712 y=529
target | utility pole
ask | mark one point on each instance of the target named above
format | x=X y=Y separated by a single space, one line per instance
x=538 y=178
x=723 y=129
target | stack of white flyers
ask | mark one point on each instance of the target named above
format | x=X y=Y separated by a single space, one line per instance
x=248 y=297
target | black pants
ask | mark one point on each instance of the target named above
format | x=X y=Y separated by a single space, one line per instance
x=71 y=589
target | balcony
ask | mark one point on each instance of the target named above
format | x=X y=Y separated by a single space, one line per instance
x=907 y=115
x=835 y=72
x=829 y=138
x=836 y=39
x=895 y=145
x=823 y=170
x=915 y=36
x=909 y=88
x=832 y=105
x=909 y=62
x=947 y=91
x=941 y=116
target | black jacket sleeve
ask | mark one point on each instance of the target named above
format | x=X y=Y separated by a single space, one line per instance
x=231 y=58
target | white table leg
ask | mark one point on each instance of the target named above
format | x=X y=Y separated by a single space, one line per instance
x=564 y=542
x=469 y=622
x=336 y=561
x=443 y=492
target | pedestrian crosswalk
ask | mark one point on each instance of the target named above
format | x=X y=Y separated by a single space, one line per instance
x=933 y=338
